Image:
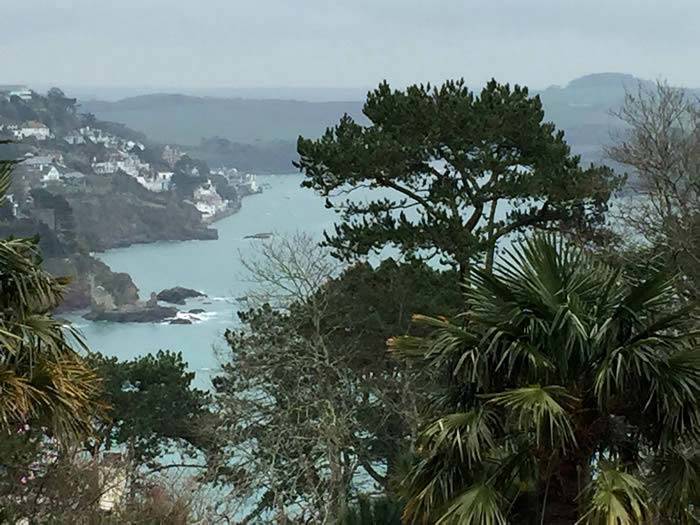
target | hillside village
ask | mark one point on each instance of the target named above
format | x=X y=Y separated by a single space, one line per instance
x=88 y=185
x=67 y=156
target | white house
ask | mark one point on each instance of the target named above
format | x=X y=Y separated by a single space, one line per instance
x=132 y=165
x=158 y=183
x=126 y=162
x=208 y=201
x=34 y=129
x=251 y=183
x=13 y=204
x=51 y=175
x=130 y=144
x=95 y=135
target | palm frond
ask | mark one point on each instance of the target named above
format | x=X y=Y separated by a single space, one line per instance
x=616 y=498
x=431 y=485
x=42 y=376
x=6 y=167
x=479 y=505
x=647 y=295
x=537 y=408
x=466 y=435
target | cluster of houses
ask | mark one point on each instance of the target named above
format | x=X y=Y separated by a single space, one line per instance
x=246 y=182
x=208 y=201
x=27 y=130
x=48 y=167
x=92 y=135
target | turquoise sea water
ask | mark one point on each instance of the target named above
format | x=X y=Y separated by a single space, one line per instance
x=213 y=267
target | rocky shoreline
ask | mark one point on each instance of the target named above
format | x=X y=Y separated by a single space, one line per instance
x=133 y=313
x=103 y=309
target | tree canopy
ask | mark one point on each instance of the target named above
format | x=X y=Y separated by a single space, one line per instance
x=154 y=410
x=459 y=171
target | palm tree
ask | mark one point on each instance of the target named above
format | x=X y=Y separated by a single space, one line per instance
x=43 y=379
x=571 y=395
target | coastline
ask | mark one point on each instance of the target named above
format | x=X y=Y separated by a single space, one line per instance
x=232 y=209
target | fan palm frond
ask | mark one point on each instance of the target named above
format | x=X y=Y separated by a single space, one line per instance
x=575 y=363
x=479 y=505
x=466 y=435
x=540 y=409
x=618 y=498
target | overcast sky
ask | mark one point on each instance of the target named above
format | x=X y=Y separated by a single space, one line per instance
x=344 y=43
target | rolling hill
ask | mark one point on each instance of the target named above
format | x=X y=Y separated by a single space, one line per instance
x=259 y=134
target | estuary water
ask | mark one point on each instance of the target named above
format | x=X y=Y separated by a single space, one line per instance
x=213 y=267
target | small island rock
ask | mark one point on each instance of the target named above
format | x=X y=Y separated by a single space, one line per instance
x=178 y=295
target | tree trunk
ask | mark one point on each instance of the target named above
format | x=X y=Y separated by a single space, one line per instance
x=559 y=504
x=491 y=246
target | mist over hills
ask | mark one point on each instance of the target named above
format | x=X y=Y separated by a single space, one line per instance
x=259 y=133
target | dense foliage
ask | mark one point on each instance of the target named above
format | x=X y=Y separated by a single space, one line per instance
x=55 y=110
x=572 y=393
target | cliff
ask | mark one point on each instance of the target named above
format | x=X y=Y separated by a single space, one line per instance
x=87 y=274
x=64 y=259
x=117 y=211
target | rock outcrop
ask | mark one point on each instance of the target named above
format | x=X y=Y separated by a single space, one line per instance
x=265 y=235
x=88 y=274
x=136 y=313
x=178 y=295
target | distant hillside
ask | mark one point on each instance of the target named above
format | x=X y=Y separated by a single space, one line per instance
x=262 y=132
x=187 y=120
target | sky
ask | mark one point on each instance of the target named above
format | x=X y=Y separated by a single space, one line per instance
x=344 y=43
